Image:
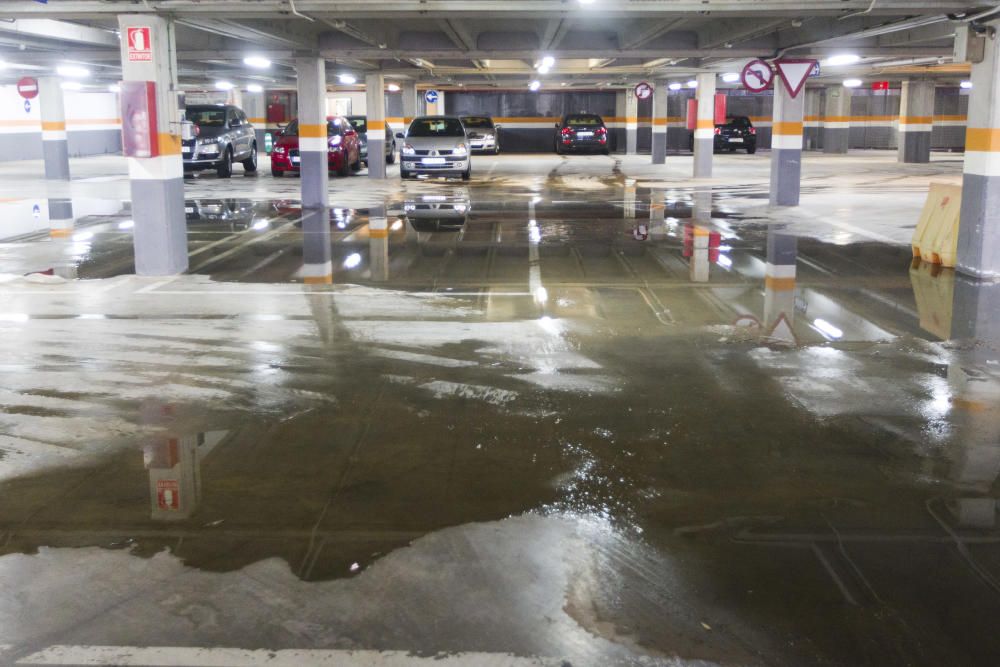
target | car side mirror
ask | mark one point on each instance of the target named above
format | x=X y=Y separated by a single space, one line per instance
x=497 y=127
x=234 y=122
x=400 y=135
x=557 y=126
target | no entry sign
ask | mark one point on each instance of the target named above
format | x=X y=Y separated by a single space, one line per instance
x=757 y=76
x=27 y=88
x=643 y=91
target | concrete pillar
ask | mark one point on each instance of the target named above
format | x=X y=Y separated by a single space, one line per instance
x=313 y=140
x=255 y=107
x=916 y=118
x=317 y=262
x=786 y=147
x=660 y=116
x=378 y=243
x=55 y=148
x=618 y=131
x=704 y=133
x=837 y=120
x=979 y=231
x=375 y=103
x=61 y=219
x=779 y=286
x=812 y=132
x=157 y=183
x=631 y=123
x=411 y=102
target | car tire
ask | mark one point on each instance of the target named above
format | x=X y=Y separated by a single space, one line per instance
x=356 y=165
x=250 y=164
x=496 y=149
x=467 y=174
x=751 y=150
x=225 y=168
x=391 y=157
x=277 y=173
x=403 y=174
x=345 y=167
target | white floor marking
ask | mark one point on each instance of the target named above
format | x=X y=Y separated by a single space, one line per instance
x=186 y=656
x=150 y=288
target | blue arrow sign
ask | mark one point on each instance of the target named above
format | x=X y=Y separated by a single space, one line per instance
x=36 y=210
x=431 y=96
x=27 y=106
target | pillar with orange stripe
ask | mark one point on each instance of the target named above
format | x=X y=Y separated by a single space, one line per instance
x=411 y=103
x=779 y=284
x=159 y=234
x=704 y=133
x=660 y=116
x=979 y=229
x=55 y=148
x=631 y=121
x=786 y=146
x=916 y=118
x=837 y=120
x=378 y=243
x=313 y=136
x=375 y=106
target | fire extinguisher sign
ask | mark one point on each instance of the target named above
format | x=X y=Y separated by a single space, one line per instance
x=139 y=44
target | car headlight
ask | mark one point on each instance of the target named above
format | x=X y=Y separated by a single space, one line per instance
x=335 y=141
x=280 y=150
x=460 y=150
x=408 y=150
x=489 y=137
x=209 y=147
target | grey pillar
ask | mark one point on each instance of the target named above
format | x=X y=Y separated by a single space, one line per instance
x=255 y=108
x=378 y=243
x=837 y=120
x=375 y=104
x=979 y=231
x=779 y=285
x=812 y=133
x=411 y=103
x=786 y=146
x=157 y=182
x=916 y=118
x=631 y=123
x=704 y=133
x=55 y=148
x=619 y=142
x=61 y=219
x=317 y=262
x=313 y=140
x=660 y=119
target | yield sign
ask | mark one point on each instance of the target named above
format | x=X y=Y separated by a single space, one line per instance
x=794 y=72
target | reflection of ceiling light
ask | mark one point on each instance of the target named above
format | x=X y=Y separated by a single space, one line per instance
x=261 y=225
x=730 y=77
x=692 y=84
x=675 y=86
x=73 y=71
x=724 y=261
x=114 y=88
x=347 y=79
x=71 y=85
x=255 y=88
x=828 y=329
x=83 y=236
x=966 y=84
x=535 y=85
x=257 y=62
x=852 y=83
x=352 y=260
x=126 y=224
x=842 y=59
x=544 y=69
x=587 y=2
x=396 y=226
x=548 y=61
x=393 y=88
x=223 y=85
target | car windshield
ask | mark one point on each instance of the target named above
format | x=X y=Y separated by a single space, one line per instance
x=332 y=128
x=738 y=121
x=210 y=117
x=436 y=127
x=481 y=122
x=359 y=124
x=583 y=120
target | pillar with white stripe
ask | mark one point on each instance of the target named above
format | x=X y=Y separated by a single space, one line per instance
x=631 y=122
x=660 y=118
x=786 y=146
x=812 y=132
x=313 y=146
x=779 y=286
x=375 y=103
x=255 y=107
x=55 y=148
x=61 y=219
x=916 y=118
x=979 y=230
x=704 y=132
x=378 y=243
x=160 y=231
x=837 y=120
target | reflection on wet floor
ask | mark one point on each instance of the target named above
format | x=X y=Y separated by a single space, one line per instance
x=653 y=420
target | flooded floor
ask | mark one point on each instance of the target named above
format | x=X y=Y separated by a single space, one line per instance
x=580 y=419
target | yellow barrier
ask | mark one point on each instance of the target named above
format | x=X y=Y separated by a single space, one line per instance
x=933 y=288
x=935 y=239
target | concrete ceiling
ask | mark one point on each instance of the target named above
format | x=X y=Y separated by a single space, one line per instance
x=494 y=43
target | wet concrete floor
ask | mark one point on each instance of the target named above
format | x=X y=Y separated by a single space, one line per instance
x=618 y=424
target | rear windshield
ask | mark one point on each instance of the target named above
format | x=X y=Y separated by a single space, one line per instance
x=206 y=116
x=738 y=121
x=477 y=121
x=583 y=120
x=332 y=128
x=436 y=127
x=359 y=124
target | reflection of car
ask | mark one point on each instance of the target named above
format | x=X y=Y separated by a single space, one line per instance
x=483 y=133
x=581 y=132
x=737 y=132
x=435 y=145
x=237 y=214
x=360 y=125
x=435 y=213
x=223 y=135
x=343 y=148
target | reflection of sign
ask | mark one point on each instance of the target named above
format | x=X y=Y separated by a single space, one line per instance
x=747 y=321
x=782 y=330
x=139 y=44
x=36 y=210
x=168 y=495
x=757 y=76
x=139 y=122
x=431 y=96
x=643 y=91
x=640 y=233
x=27 y=88
x=27 y=106
x=794 y=72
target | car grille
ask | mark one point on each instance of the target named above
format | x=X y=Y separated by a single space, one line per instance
x=428 y=152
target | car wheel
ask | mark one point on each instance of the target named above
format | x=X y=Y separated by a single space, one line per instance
x=391 y=157
x=496 y=149
x=250 y=164
x=467 y=174
x=751 y=150
x=403 y=174
x=345 y=167
x=225 y=168
x=277 y=173
x=356 y=165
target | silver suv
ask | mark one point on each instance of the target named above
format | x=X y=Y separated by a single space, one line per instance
x=435 y=145
x=222 y=135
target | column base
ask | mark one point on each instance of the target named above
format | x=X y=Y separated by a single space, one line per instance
x=915 y=147
x=979 y=230
x=160 y=231
x=786 y=176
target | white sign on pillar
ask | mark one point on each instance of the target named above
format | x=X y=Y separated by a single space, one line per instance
x=794 y=72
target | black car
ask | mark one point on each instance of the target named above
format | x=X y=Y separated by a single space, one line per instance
x=483 y=133
x=222 y=135
x=736 y=133
x=360 y=125
x=581 y=132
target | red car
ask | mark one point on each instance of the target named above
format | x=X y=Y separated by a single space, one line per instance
x=343 y=144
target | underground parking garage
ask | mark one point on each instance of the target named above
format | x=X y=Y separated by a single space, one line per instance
x=539 y=333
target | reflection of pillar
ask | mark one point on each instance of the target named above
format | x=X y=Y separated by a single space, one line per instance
x=837 y=120
x=60 y=218
x=375 y=95
x=255 y=109
x=812 y=133
x=704 y=133
x=55 y=148
x=174 y=483
x=700 y=263
x=411 y=102
x=779 y=286
x=317 y=260
x=313 y=146
x=701 y=204
x=660 y=115
x=786 y=147
x=628 y=203
x=916 y=119
x=631 y=123
x=378 y=241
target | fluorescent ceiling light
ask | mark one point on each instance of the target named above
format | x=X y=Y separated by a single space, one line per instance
x=692 y=83
x=73 y=71
x=71 y=85
x=255 y=88
x=535 y=85
x=548 y=61
x=223 y=85
x=352 y=260
x=966 y=84
x=852 y=83
x=730 y=77
x=842 y=59
x=347 y=78
x=114 y=88
x=675 y=86
x=393 y=88
x=258 y=62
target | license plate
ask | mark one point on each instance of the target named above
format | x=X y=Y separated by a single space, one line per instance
x=736 y=140
x=434 y=160
x=186 y=149
x=189 y=209
x=585 y=135
x=295 y=159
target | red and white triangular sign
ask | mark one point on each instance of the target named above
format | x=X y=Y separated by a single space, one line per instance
x=794 y=72
x=782 y=330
